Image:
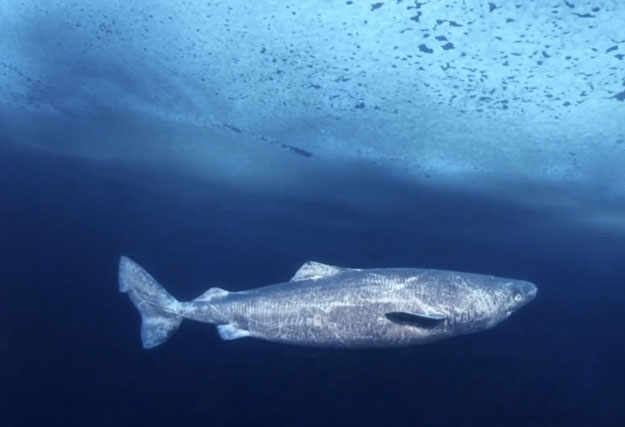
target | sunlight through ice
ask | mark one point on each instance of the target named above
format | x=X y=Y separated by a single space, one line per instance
x=472 y=95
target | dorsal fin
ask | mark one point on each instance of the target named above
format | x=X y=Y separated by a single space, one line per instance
x=313 y=270
x=212 y=293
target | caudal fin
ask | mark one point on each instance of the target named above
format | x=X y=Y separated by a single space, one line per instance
x=159 y=310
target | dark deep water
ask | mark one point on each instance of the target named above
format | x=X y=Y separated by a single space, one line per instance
x=69 y=342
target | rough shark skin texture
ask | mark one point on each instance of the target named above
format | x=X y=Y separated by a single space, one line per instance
x=328 y=306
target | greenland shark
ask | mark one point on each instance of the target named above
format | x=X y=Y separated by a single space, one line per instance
x=329 y=306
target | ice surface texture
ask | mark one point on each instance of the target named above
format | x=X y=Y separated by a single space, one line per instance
x=482 y=96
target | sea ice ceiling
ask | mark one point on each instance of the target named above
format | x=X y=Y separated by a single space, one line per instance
x=452 y=93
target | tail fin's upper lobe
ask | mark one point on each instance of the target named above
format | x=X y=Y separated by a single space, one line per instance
x=159 y=310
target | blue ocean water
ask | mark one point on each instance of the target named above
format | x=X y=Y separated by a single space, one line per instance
x=225 y=143
x=71 y=352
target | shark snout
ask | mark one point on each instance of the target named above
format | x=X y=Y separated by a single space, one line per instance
x=524 y=292
x=530 y=290
x=521 y=292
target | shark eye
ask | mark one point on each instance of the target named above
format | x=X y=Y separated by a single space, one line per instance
x=518 y=297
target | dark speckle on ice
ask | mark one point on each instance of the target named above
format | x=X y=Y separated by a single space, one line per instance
x=360 y=105
x=375 y=6
x=234 y=128
x=417 y=5
x=491 y=7
x=425 y=49
x=620 y=96
x=584 y=15
x=297 y=150
x=612 y=49
x=448 y=46
x=416 y=17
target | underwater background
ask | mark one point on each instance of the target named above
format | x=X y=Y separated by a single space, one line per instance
x=226 y=143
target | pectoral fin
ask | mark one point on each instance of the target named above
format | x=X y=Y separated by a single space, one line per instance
x=419 y=320
x=231 y=332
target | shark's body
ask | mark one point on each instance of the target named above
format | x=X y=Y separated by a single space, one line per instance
x=329 y=306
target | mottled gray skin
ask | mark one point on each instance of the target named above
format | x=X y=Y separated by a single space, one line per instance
x=329 y=306
x=348 y=309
